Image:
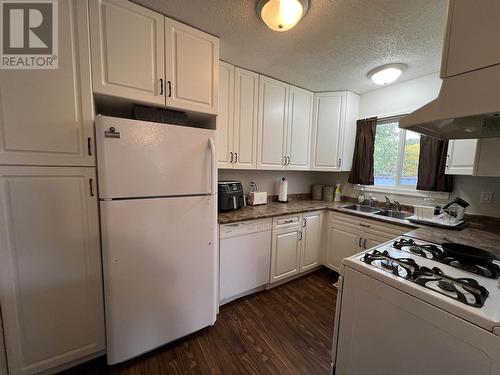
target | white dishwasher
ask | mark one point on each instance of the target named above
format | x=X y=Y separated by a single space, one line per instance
x=245 y=258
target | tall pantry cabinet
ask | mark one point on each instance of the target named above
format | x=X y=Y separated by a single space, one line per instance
x=50 y=263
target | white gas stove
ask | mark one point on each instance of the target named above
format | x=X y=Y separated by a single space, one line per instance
x=412 y=307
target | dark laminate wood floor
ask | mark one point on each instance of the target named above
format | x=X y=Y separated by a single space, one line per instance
x=287 y=330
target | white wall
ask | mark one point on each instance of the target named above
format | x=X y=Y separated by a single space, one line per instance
x=400 y=98
x=298 y=181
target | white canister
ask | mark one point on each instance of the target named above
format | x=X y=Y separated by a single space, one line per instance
x=317 y=192
x=328 y=193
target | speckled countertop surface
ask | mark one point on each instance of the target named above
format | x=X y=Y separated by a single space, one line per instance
x=483 y=233
x=273 y=209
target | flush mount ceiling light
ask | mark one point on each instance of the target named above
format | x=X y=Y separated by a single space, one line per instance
x=385 y=74
x=282 y=15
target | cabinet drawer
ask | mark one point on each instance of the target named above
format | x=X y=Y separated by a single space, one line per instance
x=286 y=221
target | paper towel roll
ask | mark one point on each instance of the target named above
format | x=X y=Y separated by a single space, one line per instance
x=283 y=193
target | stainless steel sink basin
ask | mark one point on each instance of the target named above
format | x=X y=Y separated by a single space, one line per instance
x=361 y=208
x=394 y=214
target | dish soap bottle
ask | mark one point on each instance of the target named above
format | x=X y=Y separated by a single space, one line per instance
x=338 y=195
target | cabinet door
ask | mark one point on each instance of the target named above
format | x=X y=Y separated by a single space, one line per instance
x=225 y=153
x=471 y=32
x=50 y=274
x=246 y=101
x=299 y=128
x=311 y=242
x=285 y=252
x=487 y=157
x=273 y=103
x=192 y=59
x=461 y=156
x=342 y=243
x=326 y=141
x=46 y=115
x=127 y=51
x=371 y=240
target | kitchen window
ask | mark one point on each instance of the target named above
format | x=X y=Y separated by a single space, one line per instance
x=396 y=156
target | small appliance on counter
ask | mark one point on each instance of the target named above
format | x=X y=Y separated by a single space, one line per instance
x=231 y=195
x=257 y=197
x=450 y=216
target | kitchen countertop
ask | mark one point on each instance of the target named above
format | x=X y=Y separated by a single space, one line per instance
x=273 y=209
x=478 y=234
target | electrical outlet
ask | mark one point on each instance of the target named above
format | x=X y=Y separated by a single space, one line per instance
x=486 y=197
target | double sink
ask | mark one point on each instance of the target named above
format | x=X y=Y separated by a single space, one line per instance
x=377 y=211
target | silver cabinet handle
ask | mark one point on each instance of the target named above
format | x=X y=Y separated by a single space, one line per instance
x=304 y=222
x=340 y=162
x=89 y=146
x=300 y=235
x=169 y=89
x=364 y=225
x=288 y=160
x=161 y=86
x=284 y=160
x=364 y=244
x=231 y=154
x=359 y=241
x=235 y=157
x=288 y=221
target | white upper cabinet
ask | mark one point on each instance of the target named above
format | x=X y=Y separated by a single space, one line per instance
x=334 y=130
x=225 y=154
x=50 y=273
x=246 y=101
x=326 y=140
x=192 y=68
x=127 y=51
x=237 y=118
x=461 y=156
x=46 y=115
x=488 y=156
x=465 y=50
x=272 y=123
x=300 y=106
x=143 y=56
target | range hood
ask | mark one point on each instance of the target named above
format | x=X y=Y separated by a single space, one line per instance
x=468 y=106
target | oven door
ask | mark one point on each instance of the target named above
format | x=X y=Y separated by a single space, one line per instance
x=382 y=330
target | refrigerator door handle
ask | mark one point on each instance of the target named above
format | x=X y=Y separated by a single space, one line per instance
x=214 y=166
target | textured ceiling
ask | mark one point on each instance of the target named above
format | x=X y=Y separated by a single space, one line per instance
x=332 y=48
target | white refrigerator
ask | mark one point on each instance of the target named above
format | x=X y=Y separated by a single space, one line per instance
x=157 y=192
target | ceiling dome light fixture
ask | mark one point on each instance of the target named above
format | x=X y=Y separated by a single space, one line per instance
x=282 y=15
x=385 y=74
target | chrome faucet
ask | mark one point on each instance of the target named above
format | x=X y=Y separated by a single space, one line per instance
x=398 y=206
x=387 y=203
x=373 y=200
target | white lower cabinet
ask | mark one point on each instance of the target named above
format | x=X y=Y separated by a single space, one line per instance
x=343 y=241
x=285 y=253
x=50 y=273
x=349 y=235
x=296 y=245
x=311 y=241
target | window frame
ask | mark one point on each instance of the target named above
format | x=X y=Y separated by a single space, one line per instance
x=400 y=189
x=401 y=152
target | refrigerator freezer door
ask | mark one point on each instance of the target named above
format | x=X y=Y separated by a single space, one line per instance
x=159 y=276
x=147 y=159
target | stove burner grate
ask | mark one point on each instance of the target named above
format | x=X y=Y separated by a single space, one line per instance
x=479 y=267
x=465 y=290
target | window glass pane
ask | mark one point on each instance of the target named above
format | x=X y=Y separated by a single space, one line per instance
x=386 y=153
x=410 y=159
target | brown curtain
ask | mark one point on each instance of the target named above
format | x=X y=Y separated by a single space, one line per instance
x=432 y=164
x=362 y=162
